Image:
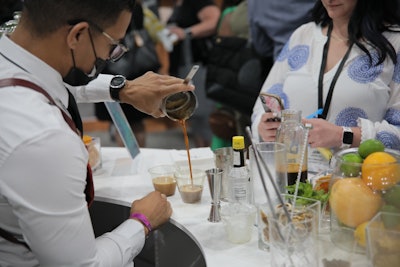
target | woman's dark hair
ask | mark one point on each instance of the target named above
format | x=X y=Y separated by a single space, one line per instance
x=369 y=20
x=46 y=16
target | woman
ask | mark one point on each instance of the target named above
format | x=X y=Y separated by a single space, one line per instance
x=352 y=48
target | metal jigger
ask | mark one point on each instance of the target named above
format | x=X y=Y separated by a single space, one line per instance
x=214 y=177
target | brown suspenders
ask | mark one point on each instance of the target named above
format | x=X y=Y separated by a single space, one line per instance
x=89 y=190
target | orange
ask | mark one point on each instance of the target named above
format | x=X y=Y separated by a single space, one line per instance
x=380 y=171
x=86 y=139
x=353 y=202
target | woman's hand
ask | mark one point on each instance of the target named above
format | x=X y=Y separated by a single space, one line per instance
x=267 y=127
x=324 y=133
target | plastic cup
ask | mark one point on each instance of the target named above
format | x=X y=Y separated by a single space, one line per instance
x=163 y=179
x=238 y=220
x=190 y=188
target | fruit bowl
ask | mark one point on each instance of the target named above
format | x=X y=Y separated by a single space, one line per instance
x=358 y=190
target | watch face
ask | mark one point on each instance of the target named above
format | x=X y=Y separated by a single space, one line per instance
x=347 y=138
x=118 y=82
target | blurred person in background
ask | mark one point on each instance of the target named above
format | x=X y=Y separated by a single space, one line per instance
x=273 y=21
x=53 y=57
x=139 y=33
x=345 y=62
x=233 y=21
x=196 y=20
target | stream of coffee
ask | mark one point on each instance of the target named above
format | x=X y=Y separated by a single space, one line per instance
x=185 y=135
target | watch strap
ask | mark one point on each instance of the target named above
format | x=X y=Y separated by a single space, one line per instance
x=347 y=137
x=114 y=93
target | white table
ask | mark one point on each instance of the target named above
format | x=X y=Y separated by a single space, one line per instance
x=121 y=180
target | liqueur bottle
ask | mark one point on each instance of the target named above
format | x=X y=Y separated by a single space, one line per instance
x=239 y=175
x=292 y=133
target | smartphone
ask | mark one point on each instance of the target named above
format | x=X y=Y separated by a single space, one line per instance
x=191 y=74
x=271 y=102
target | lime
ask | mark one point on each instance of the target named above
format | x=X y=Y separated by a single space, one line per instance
x=351 y=164
x=390 y=220
x=370 y=146
x=392 y=197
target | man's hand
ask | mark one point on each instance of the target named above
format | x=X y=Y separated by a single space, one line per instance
x=155 y=207
x=146 y=92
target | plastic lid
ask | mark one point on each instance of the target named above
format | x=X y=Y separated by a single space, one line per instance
x=238 y=142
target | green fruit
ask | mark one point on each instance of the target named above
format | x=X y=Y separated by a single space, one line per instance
x=393 y=219
x=351 y=164
x=392 y=197
x=370 y=146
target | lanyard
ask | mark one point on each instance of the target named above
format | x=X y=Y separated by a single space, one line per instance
x=335 y=78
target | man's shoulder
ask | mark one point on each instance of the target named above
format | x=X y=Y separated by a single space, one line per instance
x=26 y=114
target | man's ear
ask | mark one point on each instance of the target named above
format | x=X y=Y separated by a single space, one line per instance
x=74 y=33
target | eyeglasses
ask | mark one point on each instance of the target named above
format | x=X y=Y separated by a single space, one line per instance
x=117 y=49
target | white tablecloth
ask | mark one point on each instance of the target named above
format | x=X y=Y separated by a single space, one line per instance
x=121 y=180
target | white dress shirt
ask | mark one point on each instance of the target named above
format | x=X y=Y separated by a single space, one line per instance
x=43 y=174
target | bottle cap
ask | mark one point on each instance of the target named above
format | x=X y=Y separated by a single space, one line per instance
x=238 y=142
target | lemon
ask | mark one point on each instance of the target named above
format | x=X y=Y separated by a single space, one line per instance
x=370 y=146
x=351 y=164
x=360 y=234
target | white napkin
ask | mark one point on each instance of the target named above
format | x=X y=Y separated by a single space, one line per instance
x=201 y=158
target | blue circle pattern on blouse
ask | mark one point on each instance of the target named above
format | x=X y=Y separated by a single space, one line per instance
x=298 y=56
x=348 y=116
x=390 y=140
x=396 y=75
x=277 y=89
x=361 y=71
x=393 y=116
x=284 y=53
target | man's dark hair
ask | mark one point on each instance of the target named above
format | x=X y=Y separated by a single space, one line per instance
x=43 y=17
x=369 y=20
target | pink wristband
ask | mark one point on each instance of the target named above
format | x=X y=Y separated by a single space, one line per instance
x=142 y=218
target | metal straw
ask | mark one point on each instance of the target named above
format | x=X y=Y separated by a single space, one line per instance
x=277 y=191
x=308 y=126
x=257 y=157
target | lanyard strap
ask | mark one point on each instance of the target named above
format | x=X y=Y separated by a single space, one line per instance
x=335 y=78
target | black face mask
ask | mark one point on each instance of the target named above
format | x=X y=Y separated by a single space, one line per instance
x=77 y=77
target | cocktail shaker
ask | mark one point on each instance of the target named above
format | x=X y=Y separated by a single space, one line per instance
x=179 y=106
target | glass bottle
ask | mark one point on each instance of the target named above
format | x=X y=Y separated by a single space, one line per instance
x=239 y=176
x=291 y=132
